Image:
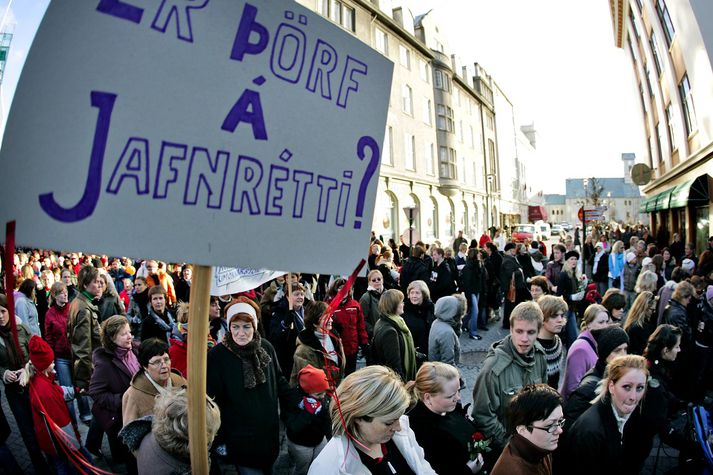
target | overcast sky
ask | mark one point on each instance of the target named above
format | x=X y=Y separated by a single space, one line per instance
x=554 y=59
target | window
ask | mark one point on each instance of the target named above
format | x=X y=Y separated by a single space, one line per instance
x=441 y=80
x=407 y=99
x=633 y=26
x=409 y=152
x=655 y=53
x=461 y=169
x=471 y=137
x=405 y=56
x=460 y=131
x=671 y=128
x=423 y=69
x=339 y=12
x=430 y=159
x=457 y=96
x=665 y=19
x=388 y=146
x=427 y=111
x=659 y=140
x=689 y=112
x=491 y=157
x=447 y=159
x=434 y=217
x=444 y=119
x=649 y=81
x=382 y=42
x=489 y=120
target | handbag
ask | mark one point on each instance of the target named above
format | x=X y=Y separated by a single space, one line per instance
x=512 y=294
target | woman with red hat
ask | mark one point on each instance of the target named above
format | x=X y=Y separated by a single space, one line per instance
x=48 y=405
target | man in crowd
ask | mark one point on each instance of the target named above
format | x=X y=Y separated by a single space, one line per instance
x=441 y=280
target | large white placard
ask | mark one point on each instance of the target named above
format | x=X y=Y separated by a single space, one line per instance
x=215 y=132
x=232 y=280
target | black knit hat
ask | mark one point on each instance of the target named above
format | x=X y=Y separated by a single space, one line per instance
x=608 y=339
x=571 y=254
x=508 y=246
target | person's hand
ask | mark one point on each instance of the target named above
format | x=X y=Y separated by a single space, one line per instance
x=476 y=465
x=10 y=376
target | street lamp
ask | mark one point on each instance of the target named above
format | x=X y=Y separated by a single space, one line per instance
x=489 y=198
x=585 y=182
x=410 y=211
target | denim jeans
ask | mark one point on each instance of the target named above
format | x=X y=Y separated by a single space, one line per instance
x=473 y=321
x=63 y=368
x=570 y=333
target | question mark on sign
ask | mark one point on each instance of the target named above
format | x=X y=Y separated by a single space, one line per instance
x=364 y=143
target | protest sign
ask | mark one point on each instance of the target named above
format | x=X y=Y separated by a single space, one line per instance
x=219 y=133
x=231 y=280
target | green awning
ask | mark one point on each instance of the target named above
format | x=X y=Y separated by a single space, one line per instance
x=662 y=200
x=693 y=192
x=647 y=204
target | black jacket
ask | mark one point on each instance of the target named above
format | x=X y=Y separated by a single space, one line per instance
x=509 y=268
x=250 y=425
x=157 y=326
x=676 y=314
x=475 y=279
x=441 y=281
x=302 y=427
x=444 y=439
x=602 y=273
x=581 y=398
x=526 y=263
x=418 y=318
x=388 y=346
x=413 y=269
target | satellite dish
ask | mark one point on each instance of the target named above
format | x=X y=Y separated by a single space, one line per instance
x=641 y=174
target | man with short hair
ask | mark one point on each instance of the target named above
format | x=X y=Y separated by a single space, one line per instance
x=458 y=241
x=512 y=363
x=441 y=281
x=158 y=276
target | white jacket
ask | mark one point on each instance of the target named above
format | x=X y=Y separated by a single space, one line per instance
x=340 y=455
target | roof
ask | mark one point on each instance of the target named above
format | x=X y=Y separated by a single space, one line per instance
x=616 y=186
x=554 y=200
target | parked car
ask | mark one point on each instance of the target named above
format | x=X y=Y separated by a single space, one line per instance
x=557 y=233
x=567 y=227
x=520 y=232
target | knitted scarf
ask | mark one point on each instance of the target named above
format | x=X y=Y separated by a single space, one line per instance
x=254 y=358
x=409 y=356
x=129 y=359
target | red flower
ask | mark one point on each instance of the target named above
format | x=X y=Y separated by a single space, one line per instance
x=478 y=436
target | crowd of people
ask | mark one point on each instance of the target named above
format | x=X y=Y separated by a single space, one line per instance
x=364 y=378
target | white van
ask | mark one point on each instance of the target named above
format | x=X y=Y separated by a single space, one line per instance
x=543 y=230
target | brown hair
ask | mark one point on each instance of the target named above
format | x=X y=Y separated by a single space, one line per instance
x=550 y=305
x=110 y=328
x=313 y=314
x=591 y=313
x=87 y=275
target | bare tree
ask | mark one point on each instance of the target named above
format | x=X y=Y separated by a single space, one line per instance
x=594 y=192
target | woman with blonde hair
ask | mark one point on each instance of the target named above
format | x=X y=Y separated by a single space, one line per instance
x=616 y=266
x=595 y=443
x=646 y=282
x=371 y=434
x=582 y=354
x=441 y=425
x=419 y=313
x=638 y=324
x=369 y=302
x=393 y=344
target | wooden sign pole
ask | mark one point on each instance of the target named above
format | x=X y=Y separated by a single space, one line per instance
x=197 y=359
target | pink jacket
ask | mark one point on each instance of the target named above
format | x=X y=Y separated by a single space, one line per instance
x=581 y=358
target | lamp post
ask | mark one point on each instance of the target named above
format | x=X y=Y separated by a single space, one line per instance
x=585 y=182
x=410 y=211
x=489 y=199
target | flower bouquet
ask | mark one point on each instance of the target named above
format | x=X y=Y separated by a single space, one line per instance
x=477 y=445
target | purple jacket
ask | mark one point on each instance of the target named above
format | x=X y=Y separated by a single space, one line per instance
x=110 y=379
x=581 y=358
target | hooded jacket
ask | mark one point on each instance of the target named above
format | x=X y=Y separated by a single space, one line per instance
x=349 y=322
x=443 y=343
x=504 y=373
x=311 y=352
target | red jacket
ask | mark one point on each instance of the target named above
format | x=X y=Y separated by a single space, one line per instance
x=56 y=331
x=178 y=351
x=348 y=320
x=45 y=393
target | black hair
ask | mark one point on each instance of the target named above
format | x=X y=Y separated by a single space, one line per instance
x=614 y=301
x=665 y=336
x=150 y=348
x=534 y=402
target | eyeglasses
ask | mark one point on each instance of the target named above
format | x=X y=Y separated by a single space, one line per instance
x=552 y=428
x=163 y=361
x=376 y=280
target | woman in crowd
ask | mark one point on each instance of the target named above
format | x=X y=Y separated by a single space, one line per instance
x=25 y=306
x=56 y=336
x=178 y=349
x=669 y=263
x=474 y=285
x=244 y=377
x=443 y=344
x=109 y=302
x=318 y=346
x=161 y=445
x=534 y=421
x=595 y=443
x=217 y=326
x=68 y=277
x=393 y=344
x=639 y=324
x=615 y=303
x=567 y=287
x=419 y=314
x=385 y=265
x=440 y=423
x=612 y=342
x=554 y=311
x=11 y=363
x=138 y=306
x=660 y=406
x=538 y=287
x=369 y=302
x=583 y=353
x=286 y=322
x=348 y=321
x=493 y=263
x=154 y=378
x=160 y=322
x=370 y=432
x=587 y=255
x=115 y=363
x=616 y=266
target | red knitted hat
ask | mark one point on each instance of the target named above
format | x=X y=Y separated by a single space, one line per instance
x=41 y=353
x=312 y=380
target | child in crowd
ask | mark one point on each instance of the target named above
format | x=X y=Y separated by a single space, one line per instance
x=307 y=418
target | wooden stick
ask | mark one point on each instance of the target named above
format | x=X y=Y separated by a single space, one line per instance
x=197 y=359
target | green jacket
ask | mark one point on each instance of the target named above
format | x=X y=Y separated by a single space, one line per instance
x=503 y=374
x=83 y=333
